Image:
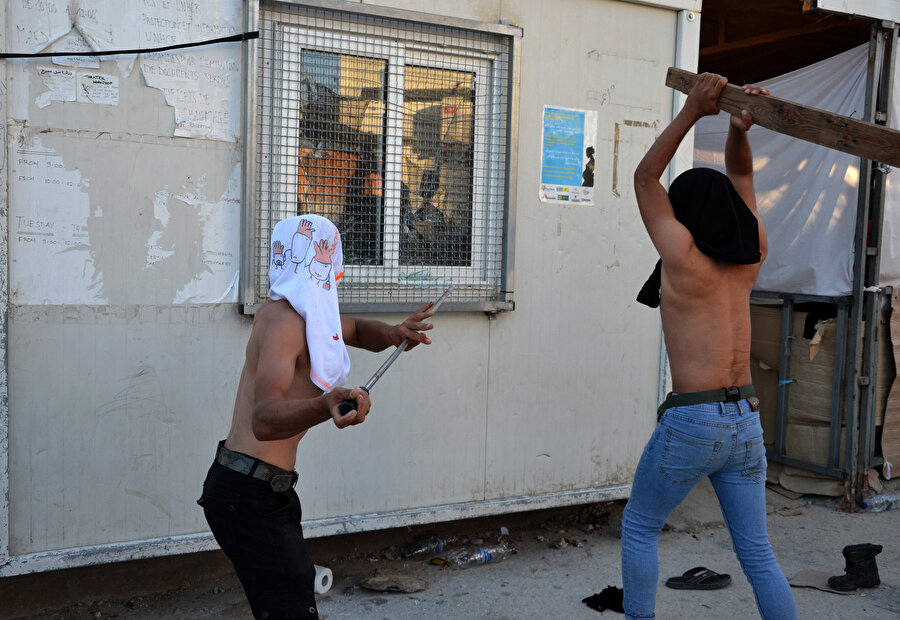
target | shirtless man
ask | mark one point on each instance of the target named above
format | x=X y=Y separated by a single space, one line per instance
x=712 y=243
x=293 y=357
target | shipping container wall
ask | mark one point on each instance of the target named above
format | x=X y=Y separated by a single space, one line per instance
x=125 y=337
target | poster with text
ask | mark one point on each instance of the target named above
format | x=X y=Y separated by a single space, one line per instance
x=567 y=155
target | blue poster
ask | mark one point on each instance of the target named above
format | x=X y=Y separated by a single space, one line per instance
x=563 y=146
x=567 y=155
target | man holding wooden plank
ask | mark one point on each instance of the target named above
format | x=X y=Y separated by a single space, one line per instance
x=712 y=242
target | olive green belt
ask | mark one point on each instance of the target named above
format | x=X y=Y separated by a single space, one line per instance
x=724 y=395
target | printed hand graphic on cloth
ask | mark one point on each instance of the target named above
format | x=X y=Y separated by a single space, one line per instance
x=305 y=228
x=301 y=242
x=278 y=254
x=323 y=252
x=320 y=267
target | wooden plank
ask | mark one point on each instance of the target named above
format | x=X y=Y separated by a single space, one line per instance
x=842 y=133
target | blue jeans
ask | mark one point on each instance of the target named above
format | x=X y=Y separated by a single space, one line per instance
x=725 y=442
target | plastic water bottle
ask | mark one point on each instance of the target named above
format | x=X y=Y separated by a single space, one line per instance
x=878 y=503
x=480 y=555
x=427 y=546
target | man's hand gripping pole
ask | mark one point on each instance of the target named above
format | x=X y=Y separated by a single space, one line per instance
x=349 y=405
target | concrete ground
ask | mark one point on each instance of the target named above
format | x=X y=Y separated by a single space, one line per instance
x=564 y=555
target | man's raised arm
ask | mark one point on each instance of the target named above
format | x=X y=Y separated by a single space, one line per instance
x=378 y=335
x=668 y=235
x=739 y=160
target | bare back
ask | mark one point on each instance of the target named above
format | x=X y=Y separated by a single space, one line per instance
x=704 y=302
x=705 y=310
x=277 y=345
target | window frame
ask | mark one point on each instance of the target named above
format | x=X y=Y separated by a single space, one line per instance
x=495 y=214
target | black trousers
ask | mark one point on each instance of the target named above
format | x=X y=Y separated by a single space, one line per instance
x=259 y=530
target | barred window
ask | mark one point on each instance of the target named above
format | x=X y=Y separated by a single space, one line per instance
x=396 y=126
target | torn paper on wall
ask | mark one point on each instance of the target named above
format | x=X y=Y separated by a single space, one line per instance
x=49 y=249
x=70 y=44
x=35 y=25
x=202 y=84
x=76 y=26
x=204 y=88
x=60 y=84
x=220 y=220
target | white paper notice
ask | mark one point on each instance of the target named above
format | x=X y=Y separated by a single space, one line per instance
x=98 y=88
x=35 y=24
x=74 y=43
x=60 y=83
x=202 y=84
x=49 y=246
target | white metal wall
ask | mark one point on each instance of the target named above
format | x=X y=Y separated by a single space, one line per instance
x=125 y=344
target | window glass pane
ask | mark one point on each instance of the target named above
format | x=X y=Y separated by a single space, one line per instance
x=436 y=189
x=341 y=155
x=397 y=131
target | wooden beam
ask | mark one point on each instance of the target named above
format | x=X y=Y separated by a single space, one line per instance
x=771 y=37
x=842 y=133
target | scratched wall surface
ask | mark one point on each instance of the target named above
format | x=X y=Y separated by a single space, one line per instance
x=576 y=363
x=4 y=308
x=558 y=395
x=97 y=152
x=124 y=211
x=125 y=339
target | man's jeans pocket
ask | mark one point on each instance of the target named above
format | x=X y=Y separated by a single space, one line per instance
x=686 y=459
x=221 y=509
x=755 y=459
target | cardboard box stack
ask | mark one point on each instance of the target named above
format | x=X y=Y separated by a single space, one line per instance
x=810 y=393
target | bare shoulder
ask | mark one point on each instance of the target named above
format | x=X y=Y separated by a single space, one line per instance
x=276 y=322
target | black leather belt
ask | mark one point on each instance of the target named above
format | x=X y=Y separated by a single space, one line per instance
x=281 y=480
x=724 y=395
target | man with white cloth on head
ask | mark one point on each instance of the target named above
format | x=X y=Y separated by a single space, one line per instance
x=296 y=362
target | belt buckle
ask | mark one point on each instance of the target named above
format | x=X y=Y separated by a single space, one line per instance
x=283 y=482
x=732 y=394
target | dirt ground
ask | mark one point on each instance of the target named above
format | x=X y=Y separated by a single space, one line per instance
x=564 y=555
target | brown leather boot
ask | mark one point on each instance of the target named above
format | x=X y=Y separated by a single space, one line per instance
x=860 y=567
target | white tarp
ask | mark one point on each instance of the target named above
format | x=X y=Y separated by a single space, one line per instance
x=807 y=194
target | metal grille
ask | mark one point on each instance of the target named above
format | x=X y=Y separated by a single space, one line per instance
x=395 y=130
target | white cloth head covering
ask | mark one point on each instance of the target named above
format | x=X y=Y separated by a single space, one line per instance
x=307 y=261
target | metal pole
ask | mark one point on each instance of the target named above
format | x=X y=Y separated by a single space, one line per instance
x=5 y=516
x=860 y=419
x=886 y=34
x=250 y=57
x=784 y=375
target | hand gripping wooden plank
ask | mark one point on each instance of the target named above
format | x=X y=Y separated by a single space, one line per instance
x=842 y=133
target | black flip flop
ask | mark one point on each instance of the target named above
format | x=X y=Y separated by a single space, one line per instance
x=699 y=578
